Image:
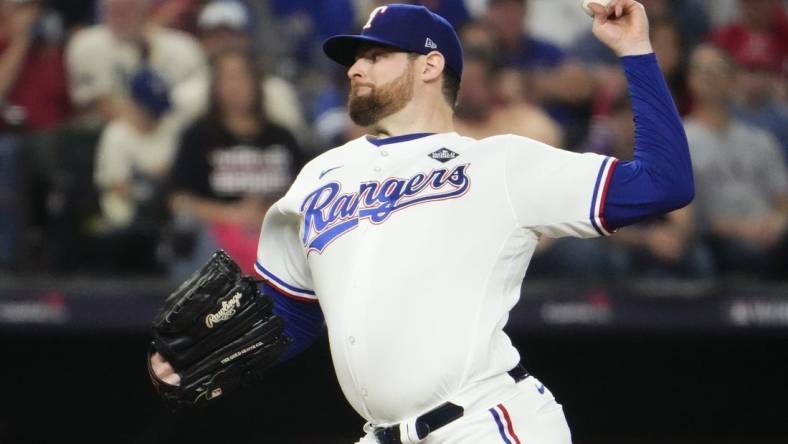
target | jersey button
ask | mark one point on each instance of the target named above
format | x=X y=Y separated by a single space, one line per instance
x=384 y=153
x=352 y=340
x=377 y=169
x=364 y=392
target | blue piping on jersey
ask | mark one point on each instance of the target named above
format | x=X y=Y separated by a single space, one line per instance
x=500 y=426
x=600 y=187
x=396 y=139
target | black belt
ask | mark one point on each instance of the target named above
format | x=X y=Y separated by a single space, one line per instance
x=437 y=417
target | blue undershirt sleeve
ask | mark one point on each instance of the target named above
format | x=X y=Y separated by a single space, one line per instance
x=303 y=320
x=659 y=179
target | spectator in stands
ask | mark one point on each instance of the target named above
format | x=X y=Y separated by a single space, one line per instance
x=691 y=17
x=559 y=22
x=33 y=101
x=33 y=93
x=232 y=164
x=477 y=38
x=481 y=114
x=759 y=45
x=226 y=25
x=102 y=58
x=454 y=11
x=557 y=76
x=133 y=157
x=134 y=154
x=758 y=100
x=176 y=14
x=720 y=12
x=760 y=31
x=741 y=181
x=671 y=55
x=301 y=26
x=476 y=35
x=554 y=79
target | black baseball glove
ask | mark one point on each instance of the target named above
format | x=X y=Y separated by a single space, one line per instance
x=218 y=333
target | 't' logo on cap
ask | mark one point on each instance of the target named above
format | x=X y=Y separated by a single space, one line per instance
x=376 y=11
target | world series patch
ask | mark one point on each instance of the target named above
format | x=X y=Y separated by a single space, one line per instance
x=443 y=155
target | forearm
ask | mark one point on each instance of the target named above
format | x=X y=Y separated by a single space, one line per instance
x=11 y=61
x=659 y=179
x=303 y=320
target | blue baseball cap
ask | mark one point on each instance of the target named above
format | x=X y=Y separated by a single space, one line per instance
x=410 y=28
x=151 y=92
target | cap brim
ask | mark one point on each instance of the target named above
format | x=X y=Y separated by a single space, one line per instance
x=343 y=49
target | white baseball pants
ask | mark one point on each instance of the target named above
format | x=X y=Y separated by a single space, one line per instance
x=531 y=417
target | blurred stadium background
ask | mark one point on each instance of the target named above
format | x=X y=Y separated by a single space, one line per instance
x=138 y=135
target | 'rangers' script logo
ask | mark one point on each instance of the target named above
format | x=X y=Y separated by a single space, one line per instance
x=226 y=312
x=329 y=213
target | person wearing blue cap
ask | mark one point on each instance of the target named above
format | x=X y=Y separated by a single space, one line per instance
x=415 y=239
x=135 y=151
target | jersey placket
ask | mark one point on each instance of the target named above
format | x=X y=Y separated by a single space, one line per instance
x=357 y=299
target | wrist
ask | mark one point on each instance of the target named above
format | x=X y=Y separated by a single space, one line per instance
x=635 y=49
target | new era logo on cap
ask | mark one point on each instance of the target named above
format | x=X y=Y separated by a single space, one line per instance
x=410 y=28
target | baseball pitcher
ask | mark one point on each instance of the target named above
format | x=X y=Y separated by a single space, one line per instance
x=410 y=246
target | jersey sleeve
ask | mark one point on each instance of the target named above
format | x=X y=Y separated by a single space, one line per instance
x=304 y=321
x=659 y=178
x=281 y=259
x=557 y=193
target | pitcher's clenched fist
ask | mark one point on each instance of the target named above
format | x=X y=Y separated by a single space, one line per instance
x=623 y=26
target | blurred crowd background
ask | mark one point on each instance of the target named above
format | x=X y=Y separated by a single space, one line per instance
x=136 y=136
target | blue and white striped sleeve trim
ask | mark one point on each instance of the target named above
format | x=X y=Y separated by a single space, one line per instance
x=597 y=212
x=283 y=287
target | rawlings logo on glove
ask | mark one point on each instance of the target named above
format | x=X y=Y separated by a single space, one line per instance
x=226 y=312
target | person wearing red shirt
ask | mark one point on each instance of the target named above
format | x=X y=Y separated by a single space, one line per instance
x=33 y=92
x=761 y=33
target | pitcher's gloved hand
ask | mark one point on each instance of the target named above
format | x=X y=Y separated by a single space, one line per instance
x=218 y=333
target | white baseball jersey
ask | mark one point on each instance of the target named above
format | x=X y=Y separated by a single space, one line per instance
x=416 y=247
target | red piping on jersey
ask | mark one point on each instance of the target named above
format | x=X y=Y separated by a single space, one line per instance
x=509 y=424
x=604 y=196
